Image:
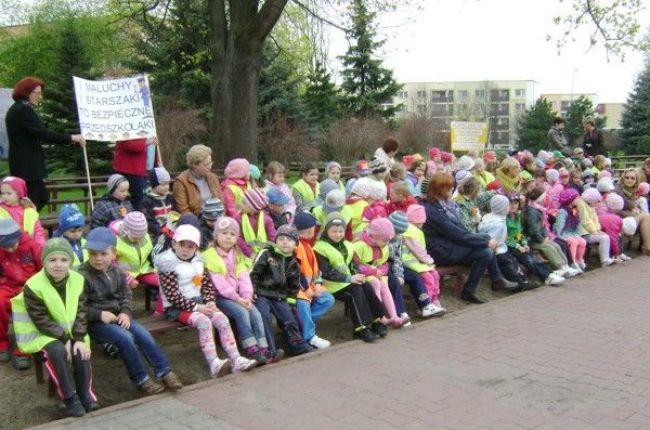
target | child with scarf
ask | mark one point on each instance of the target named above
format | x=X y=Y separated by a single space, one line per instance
x=237 y=173
x=257 y=228
x=567 y=227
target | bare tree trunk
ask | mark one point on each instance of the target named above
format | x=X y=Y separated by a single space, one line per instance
x=239 y=29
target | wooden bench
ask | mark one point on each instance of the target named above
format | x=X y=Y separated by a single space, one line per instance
x=156 y=324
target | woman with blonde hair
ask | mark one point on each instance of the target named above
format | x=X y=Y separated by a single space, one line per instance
x=196 y=184
x=627 y=189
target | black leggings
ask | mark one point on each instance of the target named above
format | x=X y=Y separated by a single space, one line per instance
x=366 y=306
x=67 y=381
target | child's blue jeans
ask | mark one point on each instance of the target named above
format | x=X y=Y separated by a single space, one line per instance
x=309 y=313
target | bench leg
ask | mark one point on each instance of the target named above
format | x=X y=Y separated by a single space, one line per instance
x=38 y=367
x=147 y=298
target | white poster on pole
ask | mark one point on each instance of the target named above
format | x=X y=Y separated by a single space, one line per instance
x=116 y=109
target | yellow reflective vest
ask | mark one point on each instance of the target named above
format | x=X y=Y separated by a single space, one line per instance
x=84 y=252
x=307 y=194
x=409 y=259
x=29 y=339
x=238 y=193
x=365 y=254
x=30 y=218
x=135 y=260
x=357 y=221
x=335 y=258
x=215 y=264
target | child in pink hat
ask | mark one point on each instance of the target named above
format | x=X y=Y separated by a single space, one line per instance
x=15 y=204
x=611 y=223
x=371 y=256
x=641 y=195
x=237 y=173
x=416 y=258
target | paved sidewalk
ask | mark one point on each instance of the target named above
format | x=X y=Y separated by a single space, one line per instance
x=573 y=357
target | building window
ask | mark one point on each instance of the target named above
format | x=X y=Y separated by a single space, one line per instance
x=403 y=94
x=462 y=95
x=520 y=92
x=520 y=107
x=421 y=94
x=479 y=93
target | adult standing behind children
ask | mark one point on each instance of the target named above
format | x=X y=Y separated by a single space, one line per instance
x=27 y=133
x=130 y=161
x=196 y=184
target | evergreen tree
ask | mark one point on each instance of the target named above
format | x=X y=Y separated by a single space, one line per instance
x=323 y=98
x=366 y=83
x=635 y=123
x=60 y=106
x=580 y=109
x=532 y=128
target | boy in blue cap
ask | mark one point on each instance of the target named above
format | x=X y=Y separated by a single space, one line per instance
x=110 y=316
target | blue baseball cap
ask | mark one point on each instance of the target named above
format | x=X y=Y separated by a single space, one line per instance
x=100 y=238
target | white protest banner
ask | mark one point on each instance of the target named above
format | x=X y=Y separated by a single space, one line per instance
x=116 y=109
x=467 y=136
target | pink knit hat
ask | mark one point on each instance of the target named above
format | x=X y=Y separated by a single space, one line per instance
x=256 y=198
x=614 y=202
x=489 y=156
x=591 y=196
x=416 y=214
x=567 y=196
x=642 y=189
x=226 y=223
x=18 y=184
x=446 y=157
x=381 y=228
x=238 y=168
x=135 y=224
x=434 y=152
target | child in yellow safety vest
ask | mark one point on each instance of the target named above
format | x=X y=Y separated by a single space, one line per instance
x=416 y=258
x=15 y=204
x=306 y=189
x=225 y=264
x=237 y=175
x=50 y=316
x=334 y=255
x=358 y=203
x=189 y=297
x=257 y=229
x=371 y=259
x=71 y=224
x=133 y=252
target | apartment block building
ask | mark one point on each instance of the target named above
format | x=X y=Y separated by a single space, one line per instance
x=562 y=102
x=500 y=103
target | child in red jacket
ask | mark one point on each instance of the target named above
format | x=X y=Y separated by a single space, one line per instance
x=20 y=258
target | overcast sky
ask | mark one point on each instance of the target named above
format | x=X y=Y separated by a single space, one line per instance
x=453 y=40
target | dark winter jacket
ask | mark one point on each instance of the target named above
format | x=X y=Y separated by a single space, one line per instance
x=106 y=291
x=41 y=318
x=535 y=225
x=593 y=143
x=275 y=276
x=329 y=272
x=107 y=210
x=27 y=133
x=156 y=208
x=448 y=241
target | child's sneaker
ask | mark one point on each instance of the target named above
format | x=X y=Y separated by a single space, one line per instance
x=274 y=357
x=172 y=381
x=608 y=262
x=624 y=257
x=220 y=368
x=582 y=265
x=242 y=364
x=406 y=319
x=150 y=387
x=319 y=343
x=379 y=329
x=22 y=363
x=554 y=279
x=432 y=310
x=577 y=268
x=5 y=357
x=73 y=407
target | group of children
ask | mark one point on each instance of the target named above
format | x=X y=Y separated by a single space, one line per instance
x=273 y=251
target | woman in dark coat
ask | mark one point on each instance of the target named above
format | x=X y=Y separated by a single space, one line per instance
x=450 y=243
x=27 y=133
